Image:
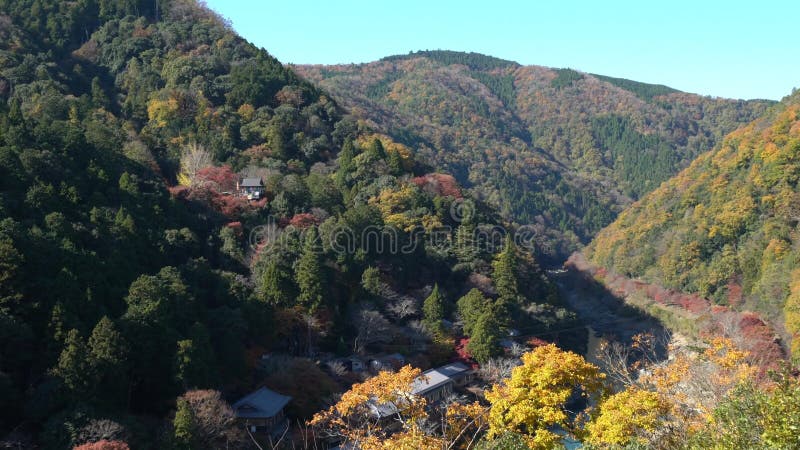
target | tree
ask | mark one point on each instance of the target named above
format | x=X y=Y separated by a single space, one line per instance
x=371 y=281
x=371 y=328
x=108 y=357
x=433 y=308
x=194 y=157
x=504 y=272
x=274 y=284
x=470 y=307
x=213 y=421
x=73 y=364
x=533 y=401
x=183 y=426
x=627 y=417
x=484 y=342
x=308 y=272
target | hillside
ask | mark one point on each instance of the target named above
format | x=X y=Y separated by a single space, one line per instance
x=132 y=270
x=725 y=227
x=555 y=148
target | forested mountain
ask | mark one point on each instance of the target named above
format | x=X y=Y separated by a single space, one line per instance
x=555 y=148
x=131 y=271
x=725 y=227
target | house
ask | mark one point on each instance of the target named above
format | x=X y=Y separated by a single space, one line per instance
x=252 y=188
x=354 y=363
x=437 y=384
x=387 y=362
x=262 y=410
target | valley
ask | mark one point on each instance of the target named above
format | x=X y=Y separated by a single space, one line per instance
x=203 y=247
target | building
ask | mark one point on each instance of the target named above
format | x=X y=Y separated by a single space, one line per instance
x=387 y=362
x=252 y=188
x=437 y=384
x=262 y=411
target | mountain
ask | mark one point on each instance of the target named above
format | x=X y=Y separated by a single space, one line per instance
x=557 y=149
x=132 y=271
x=726 y=226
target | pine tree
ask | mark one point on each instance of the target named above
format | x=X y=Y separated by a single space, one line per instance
x=433 y=308
x=505 y=271
x=395 y=163
x=108 y=360
x=375 y=150
x=470 y=307
x=99 y=99
x=183 y=426
x=308 y=272
x=73 y=364
x=484 y=340
x=274 y=284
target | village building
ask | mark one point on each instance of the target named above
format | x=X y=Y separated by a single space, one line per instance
x=252 y=188
x=262 y=411
x=437 y=384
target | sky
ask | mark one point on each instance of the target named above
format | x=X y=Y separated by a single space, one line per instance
x=735 y=49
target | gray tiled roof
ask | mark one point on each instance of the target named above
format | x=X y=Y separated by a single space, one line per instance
x=261 y=404
x=434 y=378
x=251 y=182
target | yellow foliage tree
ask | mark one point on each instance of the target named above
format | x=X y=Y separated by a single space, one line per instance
x=627 y=418
x=532 y=402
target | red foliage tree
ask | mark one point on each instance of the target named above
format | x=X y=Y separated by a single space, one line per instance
x=303 y=220
x=219 y=179
x=104 y=445
x=438 y=184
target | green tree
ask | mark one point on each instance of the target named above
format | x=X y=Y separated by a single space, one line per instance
x=395 y=163
x=484 y=342
x=308 y=272
x=434 y=308
x=108 y=357
x=73 y=364
x=275 y=284
x=184 y=426
x=471 y=306
x=504 y=272
x=371 y=281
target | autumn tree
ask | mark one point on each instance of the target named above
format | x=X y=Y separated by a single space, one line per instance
x=533 y=401
x=194 y=157
x=628 y=417
x=213 y=421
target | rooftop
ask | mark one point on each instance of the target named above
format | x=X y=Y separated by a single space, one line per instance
x=251 y=182
x=262 y=403
x=434 y=378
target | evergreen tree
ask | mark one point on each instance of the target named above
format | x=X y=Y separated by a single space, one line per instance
x=471 y=306
x=433 y=308
x=108 y=360
x=308 y=272
x=99 y=99
x=505 y=271
x=274 y=284
x=375 y=150
x=73 y=364
x=194 y=363
x=484 y=340
x=183 y=426
x=395 y=163
x=371 y=281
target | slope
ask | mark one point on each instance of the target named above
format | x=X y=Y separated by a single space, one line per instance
x=130 y=274
x=725 y=227
x=558 y=149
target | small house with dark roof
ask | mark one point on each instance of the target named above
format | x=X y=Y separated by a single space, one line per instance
x=262 y=410
x=437 y=384
x=252 y=188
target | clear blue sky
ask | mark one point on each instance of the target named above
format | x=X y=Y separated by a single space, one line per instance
x=738 y=49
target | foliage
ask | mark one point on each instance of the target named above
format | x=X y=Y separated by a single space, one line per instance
x=525 y=138
x=721 y=228
x=534 y=399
